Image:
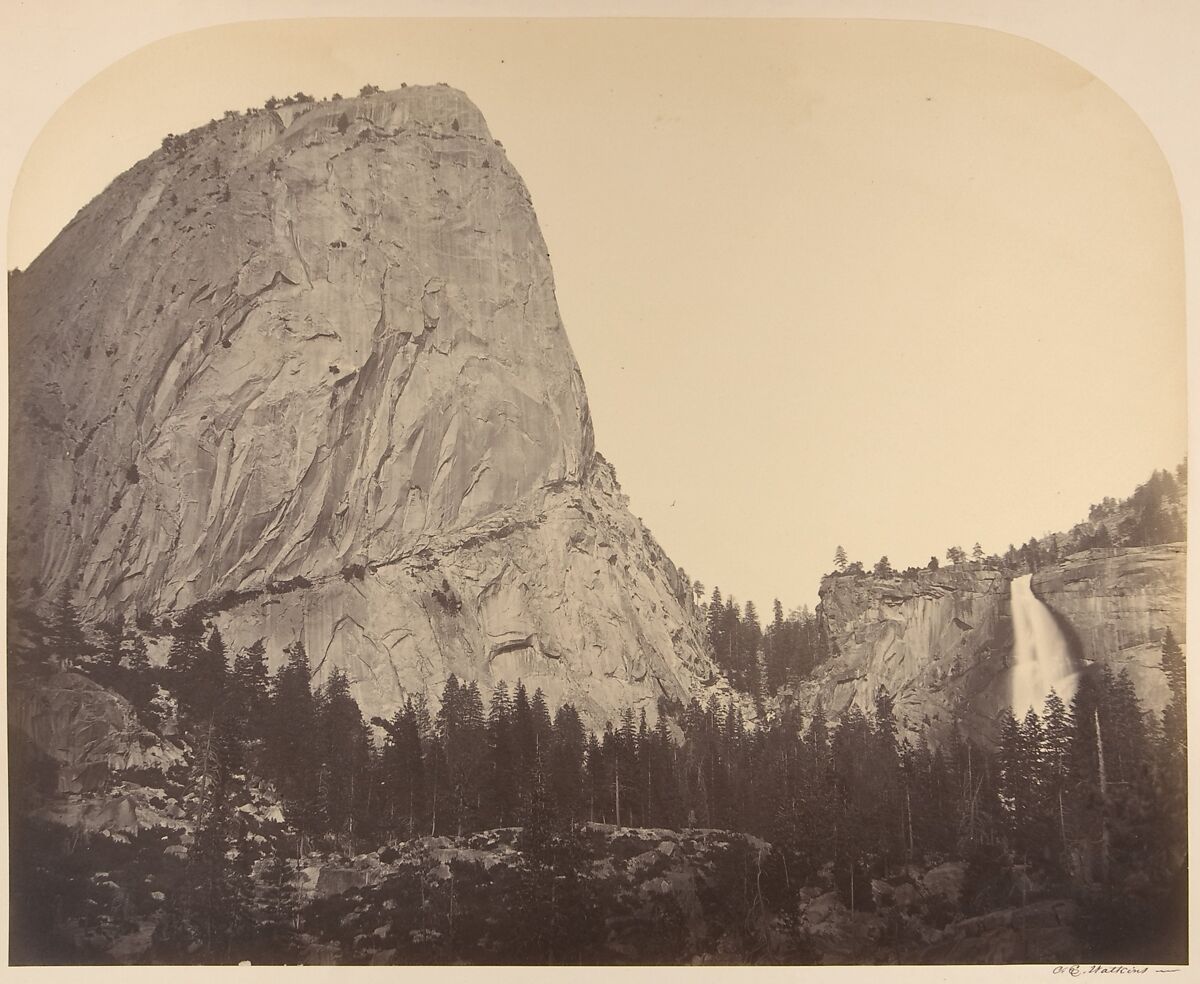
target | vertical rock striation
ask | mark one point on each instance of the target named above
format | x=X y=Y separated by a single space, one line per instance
x=321 y=346
x=942 y=643
x=1116 y=605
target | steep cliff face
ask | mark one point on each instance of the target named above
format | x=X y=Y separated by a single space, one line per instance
x=284 y=348
x=1115 y=605
x=298 y=347
x=940 y=644
x=565 y=590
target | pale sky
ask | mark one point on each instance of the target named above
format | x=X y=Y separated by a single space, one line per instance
x=893 y=286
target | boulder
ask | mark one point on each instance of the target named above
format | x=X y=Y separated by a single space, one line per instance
x=1037 y=933
x=88 y=730
x=824 y=908
x=946 y=881
x=334 y=880
x=905 y=895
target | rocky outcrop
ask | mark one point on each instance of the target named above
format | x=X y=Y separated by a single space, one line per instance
x=306 y=366
x=565 y=590
x=283 y=345
x=1115 y=605
x=654 y=897
x=90 y=732
x=940 y=643
x=1042 y=932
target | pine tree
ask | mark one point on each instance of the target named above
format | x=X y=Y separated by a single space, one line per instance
x=1173 y=792
x=665 y=797
x=291 y=751
x=751 y=642
x=207 y=678
x=540 y=715
x=852 y=807
x=1130 y=748
x=113 y=632
x=597 y=778
x=555 y=911
x=503 y=790
x=716 y=622
x=1032 y=834
x=141 y=688
x=730 y=656
x=252 y=688
x=343 y=753
x=1013 y=788
x=778 y=649
x=468 y=769
x=1059 y=736
x=448 y=730
x=1175 y=715
x=883 y=774
x=625 y=779
x=566 y=764
x=406 y=808
x=67 y=638
x=186 y=653
x=211 y=916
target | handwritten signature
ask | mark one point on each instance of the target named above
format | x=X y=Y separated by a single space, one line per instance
x=1078 y=970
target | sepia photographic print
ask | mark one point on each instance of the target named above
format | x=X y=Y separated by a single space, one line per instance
x=609 y=492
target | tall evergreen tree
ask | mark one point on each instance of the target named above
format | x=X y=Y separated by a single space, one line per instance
x=540 y=714
x=716 y=621
x=142 y=689
x=406 y=809
x=186 y=653
x=1059 y=735
x=211 y=915
x=503 y=786
x=206 y=688
x=751 y=643
x=596 y=777
x=344 y=755
x=888 y=818
x=252 y=687
x=113 y=632
x=566 y=770
x=67 y=638
x=777 y=650
x=1175 y=715
x=291 y=751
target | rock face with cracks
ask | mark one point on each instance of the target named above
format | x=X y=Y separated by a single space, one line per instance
x=90 y=733
x=941 y=643
x=307 y=366
x=1116 y=604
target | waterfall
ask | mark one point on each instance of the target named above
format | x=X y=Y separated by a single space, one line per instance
x=1041 y=657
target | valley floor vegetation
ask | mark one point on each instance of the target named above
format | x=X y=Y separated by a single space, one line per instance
x=1083 y=802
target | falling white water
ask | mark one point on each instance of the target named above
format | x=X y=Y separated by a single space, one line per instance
x=1041 y=657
